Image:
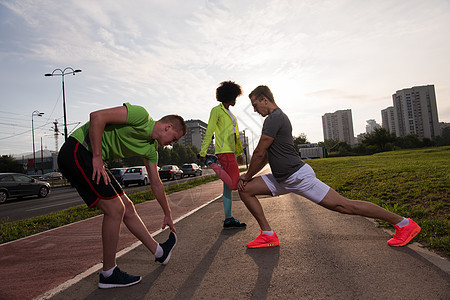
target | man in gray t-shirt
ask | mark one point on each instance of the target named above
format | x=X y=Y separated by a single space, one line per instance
x=283 y=158
x=292 y=175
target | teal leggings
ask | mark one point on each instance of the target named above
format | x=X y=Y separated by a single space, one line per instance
x=227 y=199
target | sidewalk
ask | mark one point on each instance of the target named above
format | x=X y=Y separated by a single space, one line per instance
x=37 y=264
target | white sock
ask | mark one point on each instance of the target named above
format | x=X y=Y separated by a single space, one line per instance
x=109 y=272
x=159 y=251
x=403 y=223
x=268 y=232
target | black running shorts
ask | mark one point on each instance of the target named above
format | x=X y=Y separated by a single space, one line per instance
x=75 y=163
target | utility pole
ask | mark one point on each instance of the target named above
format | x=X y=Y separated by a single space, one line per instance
x=62 y=73
x=56 y=134
x=42 y=159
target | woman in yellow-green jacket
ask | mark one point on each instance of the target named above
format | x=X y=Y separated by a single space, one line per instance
x=223 y=125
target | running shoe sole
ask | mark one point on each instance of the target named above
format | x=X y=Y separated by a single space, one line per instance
x=114 y=285
x=234 y=227
x=272 y=244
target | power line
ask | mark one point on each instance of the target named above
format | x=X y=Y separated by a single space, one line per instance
x=17 y=134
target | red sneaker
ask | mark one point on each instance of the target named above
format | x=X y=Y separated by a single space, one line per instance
x=264 y=240
x=404 y=234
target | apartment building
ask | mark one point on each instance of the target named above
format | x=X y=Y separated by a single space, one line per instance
x=415 y=112
x=372 y=125
x=338 y=126
x=388 y=119
x=195 y=133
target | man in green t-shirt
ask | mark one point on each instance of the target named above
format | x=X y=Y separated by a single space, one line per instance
x=113 y=133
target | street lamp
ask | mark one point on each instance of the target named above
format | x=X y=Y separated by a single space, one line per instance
x=37 y=114
x=245 y=148
x=62 y=73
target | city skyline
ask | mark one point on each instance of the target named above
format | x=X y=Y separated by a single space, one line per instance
x=316 y=56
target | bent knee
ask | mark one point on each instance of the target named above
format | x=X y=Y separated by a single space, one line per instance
x=113 y=208
x=129 y=206
x=243 y=194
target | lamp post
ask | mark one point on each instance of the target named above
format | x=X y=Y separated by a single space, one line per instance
x=38 y=114
x=245 y=148
x=62 y=73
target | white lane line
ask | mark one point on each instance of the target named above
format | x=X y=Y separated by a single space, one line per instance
x=44 y=207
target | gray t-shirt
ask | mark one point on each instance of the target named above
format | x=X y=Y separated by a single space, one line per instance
x=282 y=156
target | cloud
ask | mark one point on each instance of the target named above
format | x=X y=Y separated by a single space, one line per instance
x=169 y=56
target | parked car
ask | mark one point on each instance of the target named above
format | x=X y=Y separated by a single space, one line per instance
x=191 y=169
x=137 y=175
x=16 y=185
x=118 y=174
x=170 y=172
x=52 y=176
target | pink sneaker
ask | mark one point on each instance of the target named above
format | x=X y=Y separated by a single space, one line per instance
x=404 y=234
x=264 y=240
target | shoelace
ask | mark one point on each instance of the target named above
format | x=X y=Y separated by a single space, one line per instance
x=124 y=276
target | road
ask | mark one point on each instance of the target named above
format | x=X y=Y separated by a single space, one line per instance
x=60 y=198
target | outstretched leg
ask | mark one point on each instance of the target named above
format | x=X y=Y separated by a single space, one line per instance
x=405 y=229
x=336 y=202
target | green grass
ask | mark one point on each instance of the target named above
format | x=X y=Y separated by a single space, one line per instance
x=412 y=183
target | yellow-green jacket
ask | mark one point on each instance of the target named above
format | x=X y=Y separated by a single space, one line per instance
x=220 y=124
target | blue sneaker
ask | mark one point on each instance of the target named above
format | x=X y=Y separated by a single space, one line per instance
x=167 y=248
x=117 y=279
x=210 y=158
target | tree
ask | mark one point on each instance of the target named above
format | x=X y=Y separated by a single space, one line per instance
x=380 y=139
x=167 y=155
x=444 y=138
x=9 y=164
x=330 y=145
x=409 y=141
x=301 y=139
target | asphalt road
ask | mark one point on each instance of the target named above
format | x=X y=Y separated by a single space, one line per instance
x=60 y=198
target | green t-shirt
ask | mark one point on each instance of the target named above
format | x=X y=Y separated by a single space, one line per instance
x=134 y=138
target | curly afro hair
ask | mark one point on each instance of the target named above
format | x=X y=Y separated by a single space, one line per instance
x=228 y=91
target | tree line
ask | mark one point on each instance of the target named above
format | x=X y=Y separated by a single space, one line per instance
x=175 y=155
x=378 y=141
x=381 y=140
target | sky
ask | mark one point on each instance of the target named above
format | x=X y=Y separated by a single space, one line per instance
x=317 y=57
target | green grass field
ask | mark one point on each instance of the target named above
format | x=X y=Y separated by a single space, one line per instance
x=412 y=183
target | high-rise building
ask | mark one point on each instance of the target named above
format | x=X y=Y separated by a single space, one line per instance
x=415 y=112
x=388 y=119
x=339 y=126
x=372 y=125
x=195 y=133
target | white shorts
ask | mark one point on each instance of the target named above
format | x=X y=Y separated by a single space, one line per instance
x=303 y=182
